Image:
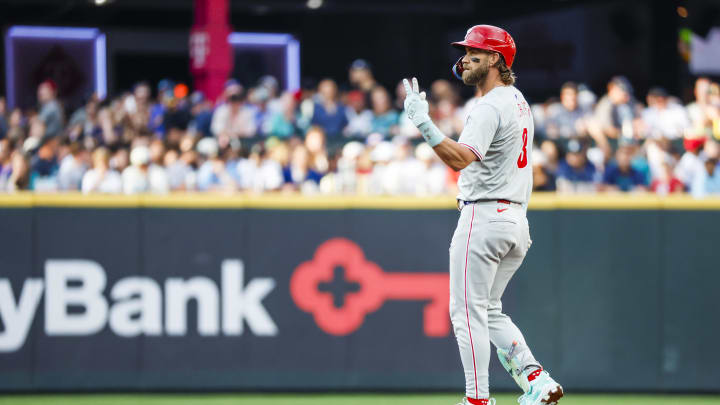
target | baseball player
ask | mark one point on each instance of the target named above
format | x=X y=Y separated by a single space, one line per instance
x=492 y=235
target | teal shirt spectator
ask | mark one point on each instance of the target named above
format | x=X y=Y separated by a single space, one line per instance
x=640 y=164
x=278 y=125
x=382 y=123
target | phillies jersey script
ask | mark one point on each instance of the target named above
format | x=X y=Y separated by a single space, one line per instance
x=499 y=130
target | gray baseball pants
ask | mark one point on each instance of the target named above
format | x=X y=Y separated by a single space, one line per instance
x=489 y=244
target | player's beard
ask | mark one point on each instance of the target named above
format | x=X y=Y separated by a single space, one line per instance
x=477 y=76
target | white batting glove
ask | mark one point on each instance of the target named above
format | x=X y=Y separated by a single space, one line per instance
x=416 y=107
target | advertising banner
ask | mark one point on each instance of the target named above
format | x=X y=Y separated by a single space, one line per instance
x=354 y=299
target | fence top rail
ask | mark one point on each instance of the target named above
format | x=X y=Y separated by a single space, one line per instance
x=284 y=201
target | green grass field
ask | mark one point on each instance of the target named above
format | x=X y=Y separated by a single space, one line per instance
x=338 y=399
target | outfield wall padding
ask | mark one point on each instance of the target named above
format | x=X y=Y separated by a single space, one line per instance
x=609 y=300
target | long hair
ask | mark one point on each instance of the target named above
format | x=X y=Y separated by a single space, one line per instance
x=506 y=74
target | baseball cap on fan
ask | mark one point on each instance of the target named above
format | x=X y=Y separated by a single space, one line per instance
x=360 y=64
x=574 y=146
x=623 y=83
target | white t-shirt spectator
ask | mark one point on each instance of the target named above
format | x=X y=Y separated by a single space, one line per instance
x=70 y=174
x=180 y=176
x=689 y=168
x=359 y=124
x=154 y=180
x=669 y=123
x=214 y=175
x=241 y=125
x=107 y=182
x=263 y=176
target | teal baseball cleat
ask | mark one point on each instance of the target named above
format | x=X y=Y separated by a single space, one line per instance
x=543 y=390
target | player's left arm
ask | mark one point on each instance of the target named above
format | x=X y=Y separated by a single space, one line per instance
x=455 y=155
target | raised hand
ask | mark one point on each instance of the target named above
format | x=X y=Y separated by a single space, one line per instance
x=416 y=107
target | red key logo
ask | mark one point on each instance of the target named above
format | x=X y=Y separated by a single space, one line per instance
x=373 y=287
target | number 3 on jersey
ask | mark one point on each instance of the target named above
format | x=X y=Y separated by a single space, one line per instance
x=522 y=159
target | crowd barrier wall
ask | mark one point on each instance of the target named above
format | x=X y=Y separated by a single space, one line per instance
x=208 y=293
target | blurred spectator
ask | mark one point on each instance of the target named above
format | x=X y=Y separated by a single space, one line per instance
x=180 y=173
x=666 y=183
x=385 y=118
x=708 y=181
x=361 y=76
x=699 y=110
x=616 y=114
x=329 y=112
x=44 y=167
x=280 y=121
x=138 y=106
x=445 y=113
x=271 y=85
x=379 y=181
x=101 y=178
x=6 y=152
x=3 y=118
x=300 y=173
x=50 y=115
x=714 y=110
x=213 y=174
x=432 y=177
x=18 y=177
x=690 y=167
x=259 y=173
x=543 y=179
x=17 y=128
x=345 y=179
x=233 y=119
x=566 y=119
x=316 y=144
x=551 y=155
x=84 y=125
x=73 y=168
x=201 y=113
x=575 y=173
x=405 y=174
x=258 y=98
x=231 y=86
x=143 y=176
x=358 y=116
x=177 y=113
x=586 y=98
x=621 y=176
x=120 y=160
x=663 y=117
x=165 y=96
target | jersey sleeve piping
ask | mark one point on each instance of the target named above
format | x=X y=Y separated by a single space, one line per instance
x=473 y=150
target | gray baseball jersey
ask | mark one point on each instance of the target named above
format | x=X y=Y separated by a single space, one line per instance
x=499 y=130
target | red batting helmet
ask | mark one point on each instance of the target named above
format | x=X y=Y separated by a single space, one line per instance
x=489 y=38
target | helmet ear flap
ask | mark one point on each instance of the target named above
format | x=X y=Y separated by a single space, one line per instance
x=458 y=68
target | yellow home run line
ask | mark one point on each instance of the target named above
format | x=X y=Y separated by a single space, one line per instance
x=279 y=201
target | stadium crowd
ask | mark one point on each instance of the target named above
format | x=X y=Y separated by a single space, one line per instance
x=356 y=141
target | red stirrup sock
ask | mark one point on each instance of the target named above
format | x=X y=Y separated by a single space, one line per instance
x=534 y=374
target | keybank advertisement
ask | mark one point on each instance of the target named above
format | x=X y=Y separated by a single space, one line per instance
x=96 y=299
x=160 y=299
